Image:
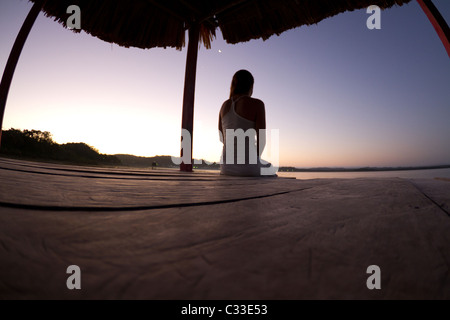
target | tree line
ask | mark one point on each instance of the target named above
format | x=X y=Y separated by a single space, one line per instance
x=39 y=145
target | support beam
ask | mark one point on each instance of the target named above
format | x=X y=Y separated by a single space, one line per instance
x=438 y=22
x=10 y=67
x=189 y=92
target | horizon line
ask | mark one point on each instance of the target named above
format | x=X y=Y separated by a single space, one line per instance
x=437 y=166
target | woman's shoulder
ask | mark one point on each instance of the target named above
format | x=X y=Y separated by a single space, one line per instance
x=251 y=100
x=257 y=103
x=226 y=104
x=225 y=107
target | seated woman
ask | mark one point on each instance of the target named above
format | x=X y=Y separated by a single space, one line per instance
x=242 y=124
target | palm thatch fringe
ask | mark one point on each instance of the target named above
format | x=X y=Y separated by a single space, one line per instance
x=155 y=23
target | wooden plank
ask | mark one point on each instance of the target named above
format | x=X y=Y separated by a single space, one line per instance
x=118 y=172
x=436 y=190
x=71 y=187
x=312 y=244
x=106 y=172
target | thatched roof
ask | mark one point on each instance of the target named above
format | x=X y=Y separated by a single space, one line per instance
x=162 y=23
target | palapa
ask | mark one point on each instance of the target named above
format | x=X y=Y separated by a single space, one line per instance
x=151 y=23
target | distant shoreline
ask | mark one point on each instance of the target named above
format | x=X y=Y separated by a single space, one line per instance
x=365 y=169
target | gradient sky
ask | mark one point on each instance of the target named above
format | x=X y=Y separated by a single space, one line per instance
x=340 y=94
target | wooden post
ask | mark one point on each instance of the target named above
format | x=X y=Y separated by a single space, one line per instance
x=189 y=91
x=8 y=73
x=437 y=21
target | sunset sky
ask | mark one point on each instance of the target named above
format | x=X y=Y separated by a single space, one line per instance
x=340 y=94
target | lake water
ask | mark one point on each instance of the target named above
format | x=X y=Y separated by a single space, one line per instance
x=408 y=174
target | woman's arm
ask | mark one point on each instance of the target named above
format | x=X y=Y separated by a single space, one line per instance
x=220 y=126
x=260 y=125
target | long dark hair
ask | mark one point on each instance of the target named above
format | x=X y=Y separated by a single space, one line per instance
x=242 y=83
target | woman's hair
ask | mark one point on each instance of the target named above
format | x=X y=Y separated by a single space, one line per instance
x=242 y=83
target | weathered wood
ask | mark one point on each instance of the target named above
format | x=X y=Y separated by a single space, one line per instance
x=75 y=187
x=315 y=243
x=10 y=67
x=189 y=91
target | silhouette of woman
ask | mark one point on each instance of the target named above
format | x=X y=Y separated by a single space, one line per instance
x=242 y=124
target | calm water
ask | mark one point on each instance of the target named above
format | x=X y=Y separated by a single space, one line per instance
x=410 y=174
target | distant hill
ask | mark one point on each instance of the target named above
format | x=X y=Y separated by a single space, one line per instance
x=161 y=161
x=38 y=145
x=135 y=161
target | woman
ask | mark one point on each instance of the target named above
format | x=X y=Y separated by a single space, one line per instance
x=242 y=111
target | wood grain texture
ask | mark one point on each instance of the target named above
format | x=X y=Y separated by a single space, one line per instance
x=314 y=243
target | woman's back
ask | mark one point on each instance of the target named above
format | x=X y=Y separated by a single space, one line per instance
x=232 y=119
x=245 y=106
x=240 y=119
x=239 y=155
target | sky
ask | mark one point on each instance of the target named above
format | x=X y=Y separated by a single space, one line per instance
x=337 y=93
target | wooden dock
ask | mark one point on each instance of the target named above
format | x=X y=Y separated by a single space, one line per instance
x=163 y=234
